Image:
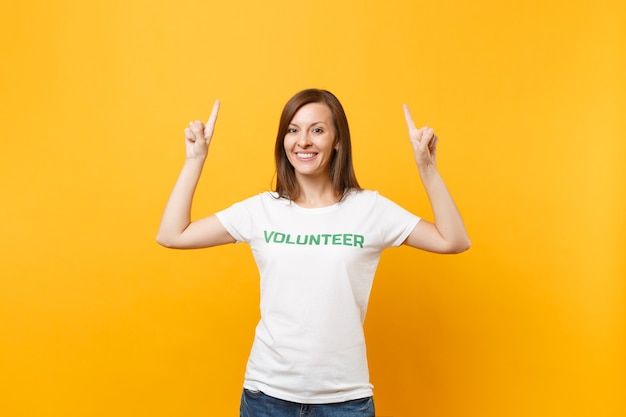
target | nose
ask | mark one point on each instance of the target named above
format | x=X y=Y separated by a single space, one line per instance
x=304 y=140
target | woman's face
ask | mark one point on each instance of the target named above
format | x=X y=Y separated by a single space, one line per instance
x=310 y=140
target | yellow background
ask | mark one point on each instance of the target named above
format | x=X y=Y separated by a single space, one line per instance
x=528 y=99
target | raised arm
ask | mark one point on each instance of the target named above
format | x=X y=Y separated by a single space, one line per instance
x=176 y=229
x=447 y=234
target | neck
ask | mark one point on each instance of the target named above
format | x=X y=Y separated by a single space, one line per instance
x=315 y=193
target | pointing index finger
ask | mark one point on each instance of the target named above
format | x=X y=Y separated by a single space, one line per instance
x=408 y=117
x=210 y=124
x=214 y=112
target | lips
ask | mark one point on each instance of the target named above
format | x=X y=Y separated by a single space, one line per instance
x=305 y=155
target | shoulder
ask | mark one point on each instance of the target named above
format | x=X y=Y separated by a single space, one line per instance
x=359 y=194
x=372 y=199
x=362 y=196
x=267 y=197
x=249 y=208
x=266 y=201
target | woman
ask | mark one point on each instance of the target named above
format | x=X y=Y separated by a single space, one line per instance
x=317 y=240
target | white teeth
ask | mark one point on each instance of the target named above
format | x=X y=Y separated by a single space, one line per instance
x=306 y=155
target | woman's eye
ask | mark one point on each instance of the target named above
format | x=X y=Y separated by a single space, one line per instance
x=291 y=130
x=318 y=130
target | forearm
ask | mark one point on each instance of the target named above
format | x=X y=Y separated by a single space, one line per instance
x=447 y=218
x=177 y=214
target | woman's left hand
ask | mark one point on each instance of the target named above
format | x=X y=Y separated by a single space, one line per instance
x=423 y=141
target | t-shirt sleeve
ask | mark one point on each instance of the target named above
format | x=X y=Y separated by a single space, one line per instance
x=237 y=220
x=395 y=222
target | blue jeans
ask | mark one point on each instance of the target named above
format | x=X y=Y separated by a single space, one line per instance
x=257 y=404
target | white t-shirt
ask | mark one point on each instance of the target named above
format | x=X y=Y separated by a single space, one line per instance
x=316 y=267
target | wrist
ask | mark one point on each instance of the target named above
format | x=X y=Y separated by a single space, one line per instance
x=194 y=163
x=195 y=159
x=427 y=170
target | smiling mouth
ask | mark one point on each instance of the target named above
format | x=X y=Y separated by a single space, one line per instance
x=305 y=155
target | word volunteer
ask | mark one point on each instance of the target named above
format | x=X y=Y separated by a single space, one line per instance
x=343 y=239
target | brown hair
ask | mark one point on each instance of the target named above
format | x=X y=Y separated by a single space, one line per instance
x=341 y=168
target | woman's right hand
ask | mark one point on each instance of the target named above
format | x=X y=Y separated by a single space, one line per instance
x=198 y=135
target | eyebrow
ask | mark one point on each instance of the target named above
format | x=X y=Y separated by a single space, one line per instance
x=312 y=124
